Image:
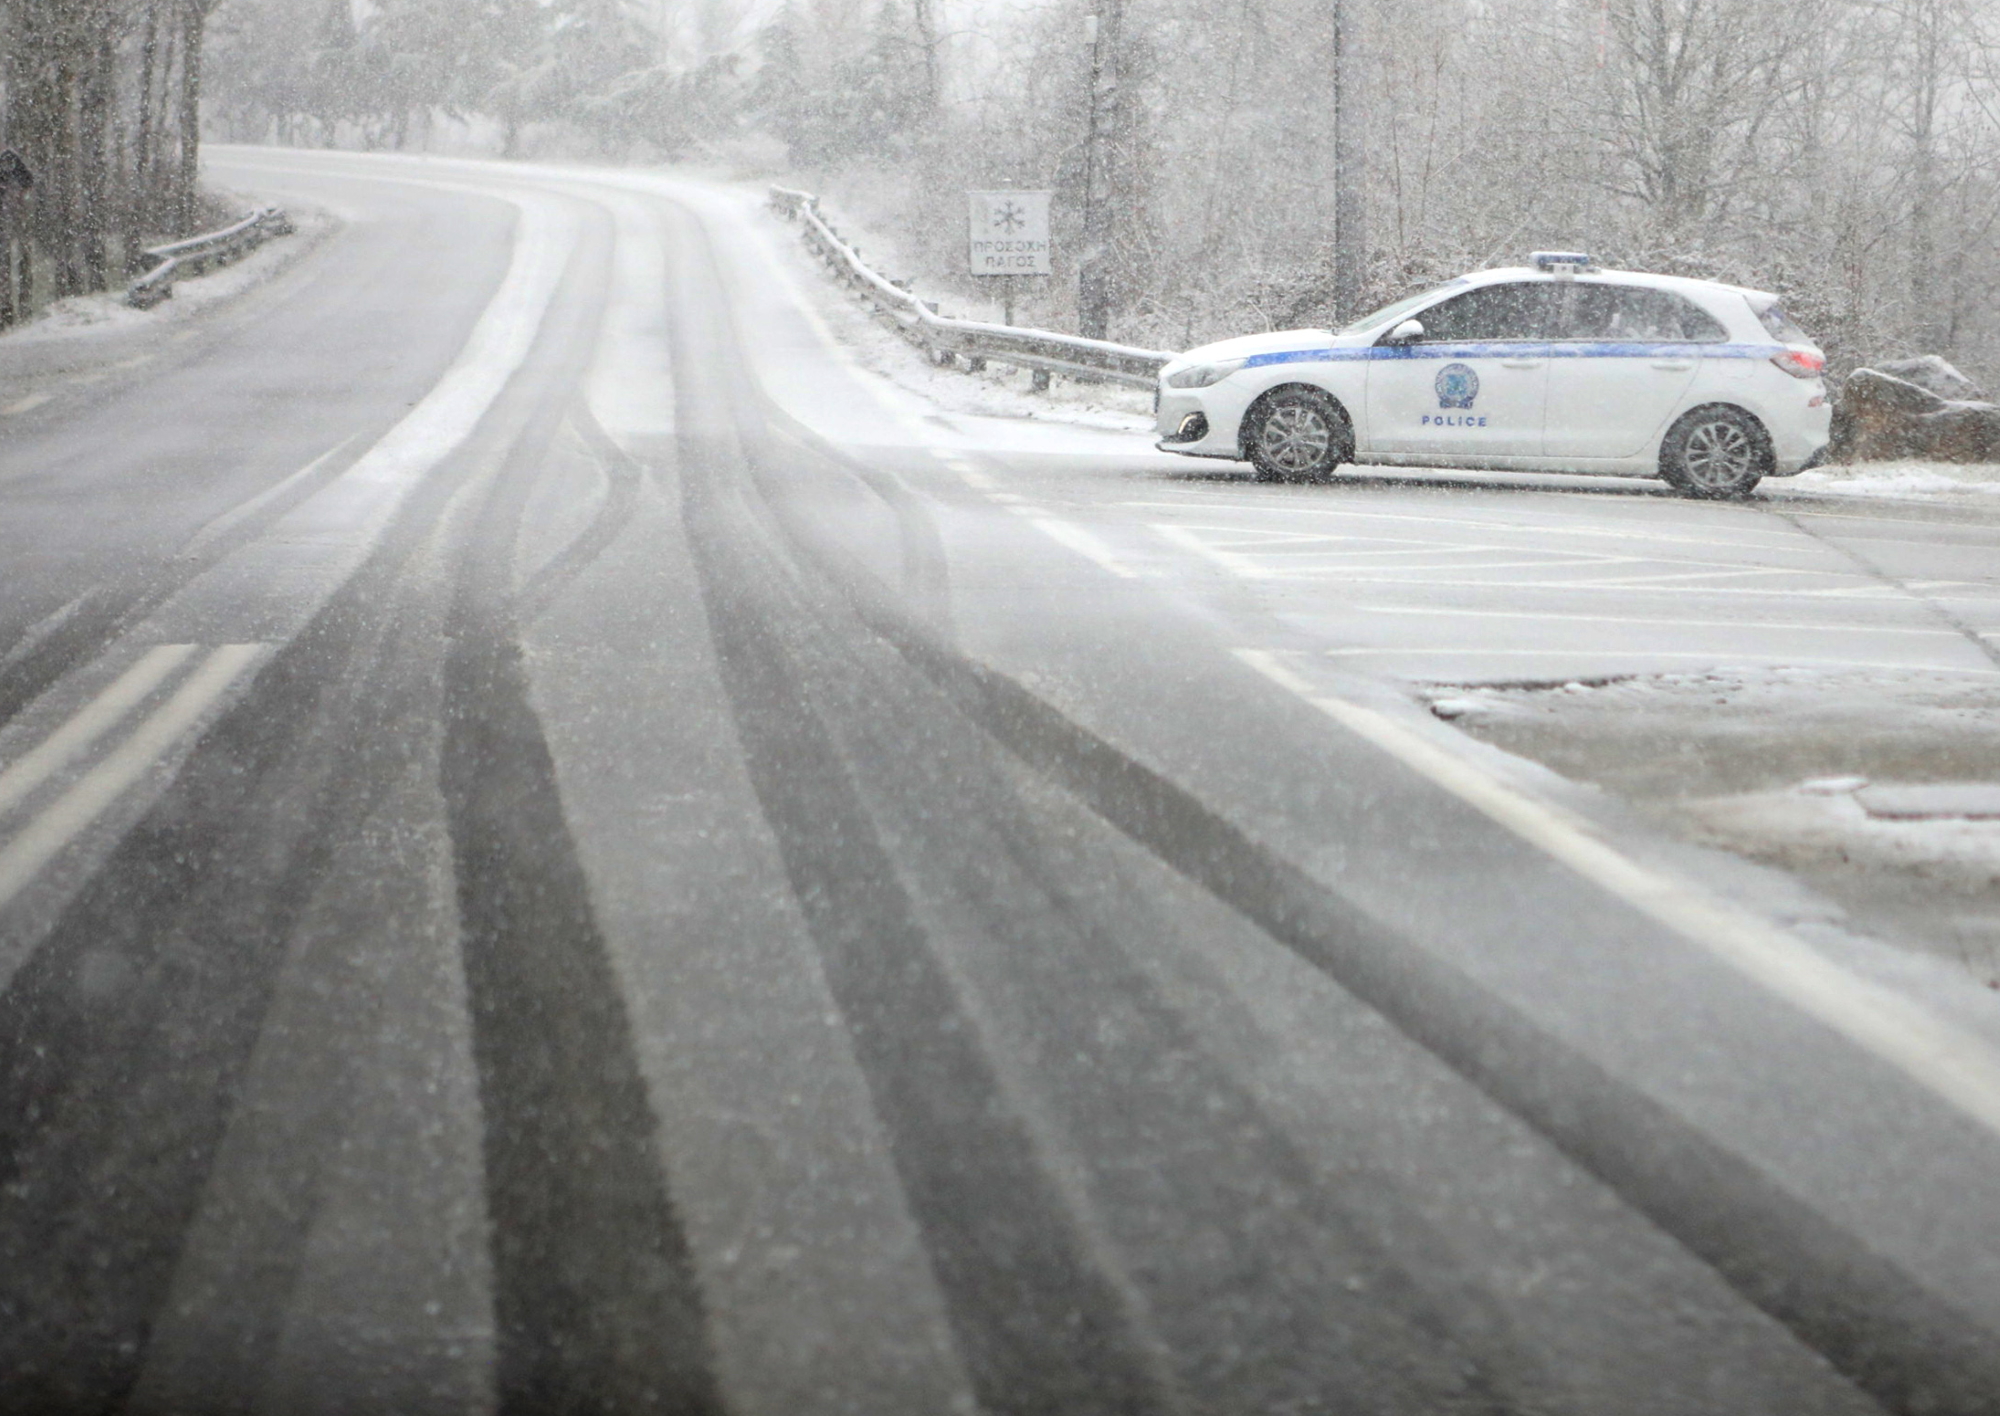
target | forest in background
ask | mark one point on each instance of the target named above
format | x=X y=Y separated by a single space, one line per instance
x=1838 y=151
x=101 y=100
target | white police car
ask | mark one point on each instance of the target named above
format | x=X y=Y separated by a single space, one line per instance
x=1556 y=368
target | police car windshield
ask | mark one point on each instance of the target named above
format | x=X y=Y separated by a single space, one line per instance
x=1400 y=307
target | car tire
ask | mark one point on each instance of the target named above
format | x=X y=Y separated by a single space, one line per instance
x=1297 y=435
x=1716 y=452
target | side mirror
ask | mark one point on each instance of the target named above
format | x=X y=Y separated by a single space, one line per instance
x=1408 y=332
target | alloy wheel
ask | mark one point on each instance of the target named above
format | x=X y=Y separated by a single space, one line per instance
x=1718 y=455
x=1295 y=437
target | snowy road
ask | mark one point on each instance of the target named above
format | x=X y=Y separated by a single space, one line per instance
x=564 y=849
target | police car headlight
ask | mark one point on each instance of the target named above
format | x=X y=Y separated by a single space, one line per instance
x=1202 y=375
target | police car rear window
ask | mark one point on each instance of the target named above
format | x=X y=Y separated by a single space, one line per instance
x=1774 y=319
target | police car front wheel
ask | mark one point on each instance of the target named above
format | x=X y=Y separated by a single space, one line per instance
x=1716 y=452
x=1297 y=435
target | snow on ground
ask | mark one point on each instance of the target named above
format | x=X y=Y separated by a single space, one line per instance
x=997 y=391
x=1771 y=763
x=1778 y=764
x=80 y=340
x=107 y=312
x=1903 y=480
x=1001 y=392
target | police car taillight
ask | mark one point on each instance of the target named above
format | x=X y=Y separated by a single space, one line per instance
x=1800 y=363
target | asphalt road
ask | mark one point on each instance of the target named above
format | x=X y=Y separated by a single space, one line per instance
x=563 y=850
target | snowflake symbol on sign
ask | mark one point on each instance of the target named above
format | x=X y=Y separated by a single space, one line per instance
x=1009 y=217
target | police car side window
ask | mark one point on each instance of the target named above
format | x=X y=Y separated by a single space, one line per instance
x=1491 y=313
x=1637 y=314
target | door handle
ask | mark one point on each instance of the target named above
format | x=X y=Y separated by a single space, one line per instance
x=1522 y=363
x=1675 y=364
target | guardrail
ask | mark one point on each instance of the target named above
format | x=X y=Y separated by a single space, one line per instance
x=196 y=254
x=947 y=340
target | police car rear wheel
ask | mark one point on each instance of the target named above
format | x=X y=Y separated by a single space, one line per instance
x=1716 y=452
x=1297 y=435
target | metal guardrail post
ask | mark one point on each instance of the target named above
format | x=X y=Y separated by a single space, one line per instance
x=944 y=339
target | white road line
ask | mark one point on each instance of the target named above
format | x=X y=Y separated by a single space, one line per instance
x=1541 y=616
x=1292 y=555
x=1722 y=658
x=1864 y=591
x=26 y=405
x=1238 y=565
x=1951 y=1063
x=40 y=631
x=1294 y=559
x=66 y=818
x=1077 y=539
x=1719 y=535
x=1624 y=531
x=236 y=516
x=89 y=723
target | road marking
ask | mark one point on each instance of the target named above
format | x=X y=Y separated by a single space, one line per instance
x=1240 y=566
x=1295 y=553
x=1416 y=580
x=1075 y=538
x=89 y=723
x=1722 y=659
x=66 y=818
x=236 y=516
x=1064 y=533
x=1953 y=1064
x=1624 y=531
x=39 y=632
x=1541 y=616
x=26 y=405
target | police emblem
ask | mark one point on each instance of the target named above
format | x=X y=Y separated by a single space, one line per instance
x=1457 y=385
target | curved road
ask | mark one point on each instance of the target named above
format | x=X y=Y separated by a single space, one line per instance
x=561 y=849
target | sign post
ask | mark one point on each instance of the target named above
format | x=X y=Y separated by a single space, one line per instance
x=1008 y=238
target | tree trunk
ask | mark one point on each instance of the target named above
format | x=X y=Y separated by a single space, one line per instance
x=9 y=312
x=1093 y=299
x=1923 y=323
x=1350 y=231
x=187 y=188
x=927 y=40
x=67 y=247
x=94 y=163
x=138 y=205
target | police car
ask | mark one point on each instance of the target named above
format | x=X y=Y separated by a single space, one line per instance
x=1553 y=367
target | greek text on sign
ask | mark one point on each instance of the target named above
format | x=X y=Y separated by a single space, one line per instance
x=1010 y=233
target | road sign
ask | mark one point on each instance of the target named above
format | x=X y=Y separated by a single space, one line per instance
x=1010 y=233
x=15 y=175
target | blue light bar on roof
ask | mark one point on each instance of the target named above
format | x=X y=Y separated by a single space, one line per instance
x=1561 y=260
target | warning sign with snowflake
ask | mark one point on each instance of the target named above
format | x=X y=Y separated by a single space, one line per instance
x=1010 y=233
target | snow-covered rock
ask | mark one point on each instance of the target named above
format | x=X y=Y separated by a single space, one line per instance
x=1883 y=417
